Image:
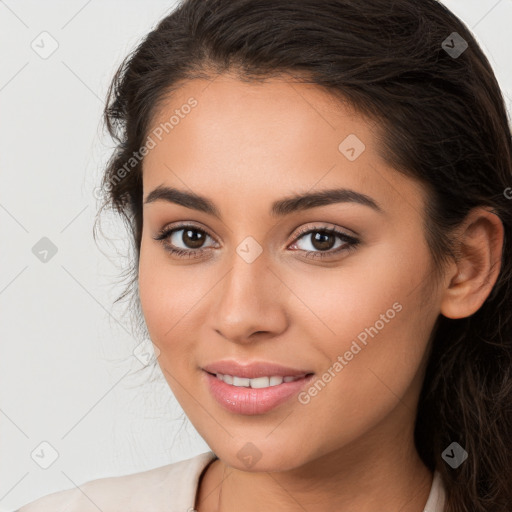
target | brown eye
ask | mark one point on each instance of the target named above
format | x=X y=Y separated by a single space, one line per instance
x=184 y=240
x=321 y=242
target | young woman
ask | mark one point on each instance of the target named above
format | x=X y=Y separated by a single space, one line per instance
x=319 y=195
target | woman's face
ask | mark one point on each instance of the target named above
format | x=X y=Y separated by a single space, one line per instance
x=356 y=315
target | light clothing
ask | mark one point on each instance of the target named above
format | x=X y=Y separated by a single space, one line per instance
x=170 y=488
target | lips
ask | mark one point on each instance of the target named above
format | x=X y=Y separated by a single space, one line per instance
x=249 y=401
x=254 y=369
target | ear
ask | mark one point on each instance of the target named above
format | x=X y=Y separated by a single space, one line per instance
x=478 y=249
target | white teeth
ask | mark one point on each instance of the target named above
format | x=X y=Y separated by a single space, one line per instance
x=257 y=383
x=240 y=381
x=274 y=381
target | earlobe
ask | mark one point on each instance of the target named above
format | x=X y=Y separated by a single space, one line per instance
x=479 y=250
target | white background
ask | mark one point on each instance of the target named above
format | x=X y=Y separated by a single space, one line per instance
x=66 y=363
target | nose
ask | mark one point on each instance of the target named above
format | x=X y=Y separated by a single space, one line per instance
x=250 y=302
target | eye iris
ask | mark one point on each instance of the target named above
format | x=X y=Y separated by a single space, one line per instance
x=323 y=240
x=193 y=241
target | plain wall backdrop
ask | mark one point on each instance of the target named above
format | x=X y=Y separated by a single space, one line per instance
x=71 y=398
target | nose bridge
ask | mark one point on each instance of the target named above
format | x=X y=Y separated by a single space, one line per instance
x=246 y=280
x=247 y=299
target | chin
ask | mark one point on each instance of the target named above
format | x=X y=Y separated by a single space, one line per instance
x=252 y=459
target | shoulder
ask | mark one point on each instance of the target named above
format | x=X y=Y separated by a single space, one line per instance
x=153 y=490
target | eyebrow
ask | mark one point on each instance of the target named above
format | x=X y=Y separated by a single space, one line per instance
x=280 y=208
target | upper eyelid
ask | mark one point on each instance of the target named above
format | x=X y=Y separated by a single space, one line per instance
x=179 y=227
x=326 y=226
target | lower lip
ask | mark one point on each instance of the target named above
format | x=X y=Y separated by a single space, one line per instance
x=249 y=401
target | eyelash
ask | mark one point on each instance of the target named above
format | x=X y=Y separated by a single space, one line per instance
x=350 y=242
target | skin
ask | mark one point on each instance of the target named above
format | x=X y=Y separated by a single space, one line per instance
x=351 y=447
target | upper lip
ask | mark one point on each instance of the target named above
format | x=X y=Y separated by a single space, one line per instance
x=253 y=370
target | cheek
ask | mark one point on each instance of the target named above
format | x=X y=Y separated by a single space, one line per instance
x=165 y=306
x=374 y=287
x=374 y=294
x=159 y=291
x=169 y=295
x=372 y=329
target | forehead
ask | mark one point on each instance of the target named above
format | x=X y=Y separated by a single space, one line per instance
x=278 y=135
x=281 y=113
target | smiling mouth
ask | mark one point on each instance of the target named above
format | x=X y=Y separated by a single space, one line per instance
x=258 y=382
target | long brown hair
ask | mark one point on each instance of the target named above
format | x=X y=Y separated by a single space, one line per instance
x=443 y=122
